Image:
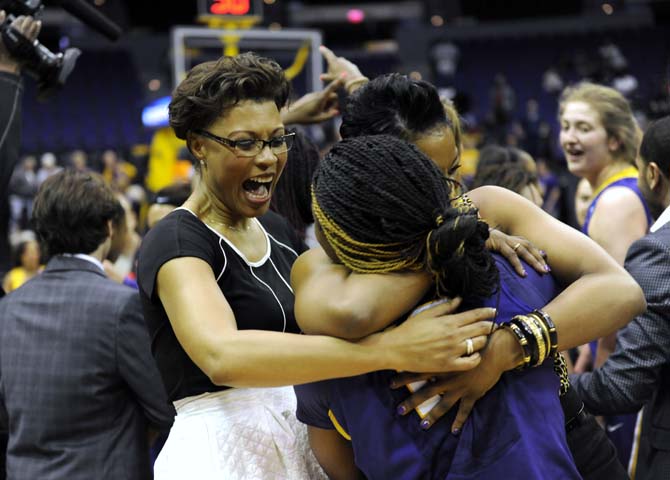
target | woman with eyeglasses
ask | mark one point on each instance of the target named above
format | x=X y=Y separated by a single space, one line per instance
x=214 y=279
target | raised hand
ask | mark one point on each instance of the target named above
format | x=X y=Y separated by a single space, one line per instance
x=26 y=26
x=314 y=107
x=341 y=68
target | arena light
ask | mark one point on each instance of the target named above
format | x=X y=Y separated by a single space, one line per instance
x=155 y=114
x=355 y=15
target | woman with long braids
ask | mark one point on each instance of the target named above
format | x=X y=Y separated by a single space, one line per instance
x=384 y=209
x=396 y=105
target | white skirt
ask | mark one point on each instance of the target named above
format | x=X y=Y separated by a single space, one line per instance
x=240 y=433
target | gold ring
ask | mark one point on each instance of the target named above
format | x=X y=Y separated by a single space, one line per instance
x=469 y=347
x=516 y=247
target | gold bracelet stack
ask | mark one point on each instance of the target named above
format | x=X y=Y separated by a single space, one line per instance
x=536 y=334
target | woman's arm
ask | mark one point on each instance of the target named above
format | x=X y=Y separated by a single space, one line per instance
x=331 y=300
x=599 y=296
x=205 y=326
x=617 y=222
x=334 y=453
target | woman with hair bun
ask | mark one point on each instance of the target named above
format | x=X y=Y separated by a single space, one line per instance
x=386 y=212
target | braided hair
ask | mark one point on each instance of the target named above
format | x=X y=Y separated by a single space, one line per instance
x=292 y=196
x=383 y=206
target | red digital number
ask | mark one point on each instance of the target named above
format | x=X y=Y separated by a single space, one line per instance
x=230 y=7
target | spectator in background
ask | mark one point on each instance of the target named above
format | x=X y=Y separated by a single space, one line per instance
x=531 y=127
x=48 y=166
x=583 y=195
x=27 y=265
x=292 y=197
x=552 y=81
x=120 y=263
x=80 y=340
x=116 y=171
x=22 y=190
x=166 y=200
x=600 y=139
x=510 y=168
x=79 y=161
x=503 y=103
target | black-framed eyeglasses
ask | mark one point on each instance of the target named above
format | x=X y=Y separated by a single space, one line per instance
x=251 y=147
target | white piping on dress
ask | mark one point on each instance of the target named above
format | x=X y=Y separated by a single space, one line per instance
x=251 y=269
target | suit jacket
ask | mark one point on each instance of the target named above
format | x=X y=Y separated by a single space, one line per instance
x=77 y=380
x=638 y=372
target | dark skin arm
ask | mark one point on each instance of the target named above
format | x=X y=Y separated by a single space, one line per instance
x=334 y=453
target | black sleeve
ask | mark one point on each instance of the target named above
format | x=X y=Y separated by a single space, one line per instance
x=138 y=368
x=11 y=91
x=629 y=377
x=180 y=234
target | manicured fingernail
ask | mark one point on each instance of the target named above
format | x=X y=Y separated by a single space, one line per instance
x=547 y=268
x=543 y=253
x=425 y=424
x=523 y=273
x=456 y=432
x=402 y=410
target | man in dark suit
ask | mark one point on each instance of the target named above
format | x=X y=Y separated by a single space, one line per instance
x=637 y=374
x=78 y=385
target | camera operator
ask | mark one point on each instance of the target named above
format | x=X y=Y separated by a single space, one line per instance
x=11 y=89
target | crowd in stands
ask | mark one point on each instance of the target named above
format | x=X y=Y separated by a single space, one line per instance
x=239 y=301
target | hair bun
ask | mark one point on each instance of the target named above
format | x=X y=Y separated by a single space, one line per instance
x=457 y=254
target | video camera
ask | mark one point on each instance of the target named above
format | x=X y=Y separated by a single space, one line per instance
x=50 y=69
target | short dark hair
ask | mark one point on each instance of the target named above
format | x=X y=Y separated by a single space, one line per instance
x=384 y=206
x=212 y=88
x=72 y=210
x=292 y=198
x=396 y=105
x=504 y=167
x=174 y=194
x=655 y=145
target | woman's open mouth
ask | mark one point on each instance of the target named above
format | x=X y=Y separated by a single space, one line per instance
x=258 y=189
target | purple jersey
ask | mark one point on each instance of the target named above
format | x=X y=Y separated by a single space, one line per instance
x=516 y=430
